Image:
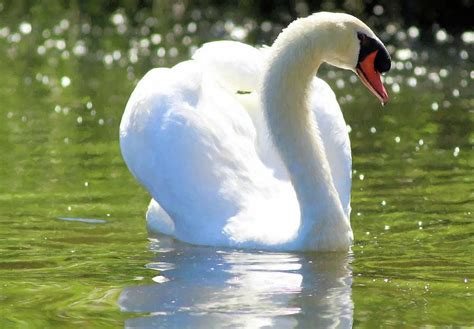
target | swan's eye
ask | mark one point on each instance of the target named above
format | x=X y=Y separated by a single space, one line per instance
x=361 y=36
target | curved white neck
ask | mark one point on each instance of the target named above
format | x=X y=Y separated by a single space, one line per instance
x=294 y=60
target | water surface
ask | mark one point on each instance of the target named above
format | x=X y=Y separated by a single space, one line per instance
x=203 y=287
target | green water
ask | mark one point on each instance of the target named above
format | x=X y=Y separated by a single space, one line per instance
x=74 y=249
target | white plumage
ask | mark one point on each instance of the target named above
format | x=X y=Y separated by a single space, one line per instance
x=198 y=137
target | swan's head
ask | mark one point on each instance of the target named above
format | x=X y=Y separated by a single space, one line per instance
x=355 y=47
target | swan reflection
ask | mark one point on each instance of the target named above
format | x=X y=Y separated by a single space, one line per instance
x=203 y=287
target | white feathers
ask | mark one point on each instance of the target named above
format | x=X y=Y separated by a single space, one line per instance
x=203 y=152
x=236 y=66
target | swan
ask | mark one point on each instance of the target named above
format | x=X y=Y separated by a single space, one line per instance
x=245 y=148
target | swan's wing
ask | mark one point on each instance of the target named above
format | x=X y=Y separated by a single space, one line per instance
x=192 y=145
x=235 y=65
x=335 y=137
x=238 y=67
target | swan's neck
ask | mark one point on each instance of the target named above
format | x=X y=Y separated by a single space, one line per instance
x=295 y=59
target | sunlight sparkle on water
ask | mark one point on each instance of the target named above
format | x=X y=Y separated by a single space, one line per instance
x=403 y=54
x=65 y=81
x=468 y=37
x=413 y=32
x=396 y=88
x=25 y=28
x=412 y=82
x=79 y=48
x=441 y=36
x=456 y=151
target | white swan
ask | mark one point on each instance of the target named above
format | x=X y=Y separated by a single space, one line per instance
x=246 y=148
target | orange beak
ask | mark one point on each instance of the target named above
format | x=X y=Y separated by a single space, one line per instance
x=371 y=78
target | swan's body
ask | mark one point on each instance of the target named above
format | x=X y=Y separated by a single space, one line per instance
x=268 y=168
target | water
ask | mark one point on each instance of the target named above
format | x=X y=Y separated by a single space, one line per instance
x=203 y=287
x=74 y=250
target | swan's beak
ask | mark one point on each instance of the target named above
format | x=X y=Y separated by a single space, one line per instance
x=370 y=77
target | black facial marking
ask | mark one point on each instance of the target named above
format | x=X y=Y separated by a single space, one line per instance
x=368 y=45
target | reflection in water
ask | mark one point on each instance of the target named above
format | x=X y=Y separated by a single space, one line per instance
x=205 y=287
